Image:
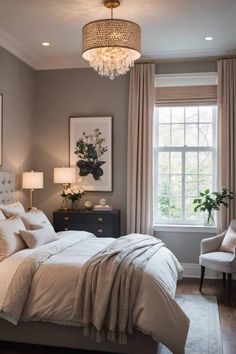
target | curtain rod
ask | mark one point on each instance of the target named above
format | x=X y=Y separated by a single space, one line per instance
x=184 y=60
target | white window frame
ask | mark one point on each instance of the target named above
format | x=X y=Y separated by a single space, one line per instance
x=183 y=150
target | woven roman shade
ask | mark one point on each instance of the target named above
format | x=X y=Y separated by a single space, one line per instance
x=186 y=88
x=186 y=94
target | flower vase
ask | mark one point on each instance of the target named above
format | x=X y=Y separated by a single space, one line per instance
x=209 y=218
x=75 y=204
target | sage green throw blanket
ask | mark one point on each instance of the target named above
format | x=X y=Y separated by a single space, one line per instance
x=108 y=286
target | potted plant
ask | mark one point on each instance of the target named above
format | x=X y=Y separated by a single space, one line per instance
x=209 y=202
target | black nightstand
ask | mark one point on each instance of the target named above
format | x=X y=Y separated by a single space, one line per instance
x=100 y=223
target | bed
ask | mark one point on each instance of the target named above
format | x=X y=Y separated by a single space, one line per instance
x=37 y=308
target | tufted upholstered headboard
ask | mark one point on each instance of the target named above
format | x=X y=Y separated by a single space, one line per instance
x=7 y=188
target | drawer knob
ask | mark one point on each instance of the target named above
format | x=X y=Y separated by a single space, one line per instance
x=100 y=219
x=100 y=231
x=66 y=218
x=66 y=229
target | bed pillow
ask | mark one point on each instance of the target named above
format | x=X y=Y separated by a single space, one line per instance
x=229 y=241
x=9 y=210
x=36 y=238
x=35 y=219
x=2 y=216
x=10 y=240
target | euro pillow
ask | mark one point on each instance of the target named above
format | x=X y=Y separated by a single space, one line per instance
x=14 y=209
x=229 y=241
x=36 y=238
x=10 y=240
x=35 y=219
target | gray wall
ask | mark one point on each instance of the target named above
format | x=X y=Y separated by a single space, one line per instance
x=188 y=66
x=17 y=87
x=82 y=92
x=184 y=245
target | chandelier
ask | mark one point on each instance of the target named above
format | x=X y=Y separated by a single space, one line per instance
x=111 y=46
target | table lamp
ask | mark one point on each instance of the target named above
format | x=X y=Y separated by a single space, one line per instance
x=32 y=180
x=65 y=176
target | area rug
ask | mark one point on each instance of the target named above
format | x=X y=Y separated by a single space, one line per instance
x=204 y=335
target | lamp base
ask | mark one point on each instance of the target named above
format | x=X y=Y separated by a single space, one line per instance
x=64 y=205
x=30 y=200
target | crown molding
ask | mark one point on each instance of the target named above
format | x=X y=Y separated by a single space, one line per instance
x=18 y=49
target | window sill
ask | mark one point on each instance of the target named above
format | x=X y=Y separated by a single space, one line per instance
x=186 y=228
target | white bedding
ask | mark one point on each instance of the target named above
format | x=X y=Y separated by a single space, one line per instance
x=40 y=285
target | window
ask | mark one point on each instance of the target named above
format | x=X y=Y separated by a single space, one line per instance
x=184 y=161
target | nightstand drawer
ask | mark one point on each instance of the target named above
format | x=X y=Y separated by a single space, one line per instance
x=98 y=218
x=105 y=230
x=70 y=217
x=64 y=221
x=102 y=224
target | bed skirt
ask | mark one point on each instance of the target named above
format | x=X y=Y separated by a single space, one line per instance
x=44 y=333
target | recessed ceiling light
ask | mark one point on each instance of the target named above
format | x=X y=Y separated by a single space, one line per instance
x=46 y=44
x=209 y=38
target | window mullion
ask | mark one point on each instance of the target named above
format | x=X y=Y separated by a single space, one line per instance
x=214 y=150
x=183 y=185
x=169 y=182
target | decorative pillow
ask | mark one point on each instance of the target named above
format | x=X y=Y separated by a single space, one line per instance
x=229 y=241
x=36 y=238
x=12 y=209
x=36 y=217
x=2 y=217
x=10 y=240
x=38 y=226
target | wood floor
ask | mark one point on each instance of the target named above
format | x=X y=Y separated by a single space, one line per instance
x=187 y=286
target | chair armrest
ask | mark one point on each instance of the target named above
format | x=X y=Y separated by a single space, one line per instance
x=212 y=244
x=233 y=261
x=234 y=256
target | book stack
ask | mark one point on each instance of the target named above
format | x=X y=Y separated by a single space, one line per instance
x=99 y=207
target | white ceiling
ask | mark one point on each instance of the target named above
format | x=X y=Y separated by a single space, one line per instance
x=170 y=28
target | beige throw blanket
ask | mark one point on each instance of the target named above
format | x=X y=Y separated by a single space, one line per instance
x=108 y=286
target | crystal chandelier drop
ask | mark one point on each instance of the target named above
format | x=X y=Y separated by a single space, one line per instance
x=111 y=46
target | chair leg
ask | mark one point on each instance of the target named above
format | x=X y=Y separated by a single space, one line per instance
x=224 y=277
x=202 y=277
x=229 y=285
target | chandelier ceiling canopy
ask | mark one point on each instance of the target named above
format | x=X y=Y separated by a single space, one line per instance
x=111 y=46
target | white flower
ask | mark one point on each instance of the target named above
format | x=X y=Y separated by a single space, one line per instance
x=67 y=191
x=77 y=190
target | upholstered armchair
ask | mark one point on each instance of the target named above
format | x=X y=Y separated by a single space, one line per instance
x=212 y=257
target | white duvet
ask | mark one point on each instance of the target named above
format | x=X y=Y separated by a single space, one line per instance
x=40 y=285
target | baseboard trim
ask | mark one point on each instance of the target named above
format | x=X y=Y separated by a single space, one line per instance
x=192 y=270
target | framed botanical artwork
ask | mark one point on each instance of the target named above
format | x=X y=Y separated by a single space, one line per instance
x=91 y=152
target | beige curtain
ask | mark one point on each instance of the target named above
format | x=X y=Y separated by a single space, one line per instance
x=140 y=150
x=227 y=135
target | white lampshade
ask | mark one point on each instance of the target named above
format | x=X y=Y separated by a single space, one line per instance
x=64 y=175
x=32 y=180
